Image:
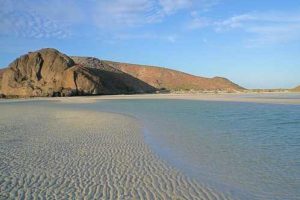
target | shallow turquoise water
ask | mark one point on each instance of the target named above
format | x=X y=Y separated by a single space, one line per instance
x=251 y=150
x=247 y=149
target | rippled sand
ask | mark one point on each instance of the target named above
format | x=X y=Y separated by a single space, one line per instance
x=46 y=153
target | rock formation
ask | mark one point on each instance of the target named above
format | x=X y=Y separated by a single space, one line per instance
x=1 y=75
x=163 y=78
x=114 y=80
x=47 y=72
x=296 y=89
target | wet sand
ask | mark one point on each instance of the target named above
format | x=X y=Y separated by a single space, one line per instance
x=52 y=153
x=272 y=98
x=269 y=98
x=49 y=153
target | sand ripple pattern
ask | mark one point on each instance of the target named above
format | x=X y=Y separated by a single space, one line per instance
x=53 y=154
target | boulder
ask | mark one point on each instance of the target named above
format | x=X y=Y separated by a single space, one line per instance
x=47 y=72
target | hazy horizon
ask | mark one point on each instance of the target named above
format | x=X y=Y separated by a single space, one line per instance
x=254 y=44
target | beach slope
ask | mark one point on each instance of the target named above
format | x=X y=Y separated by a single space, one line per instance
x=65 y=154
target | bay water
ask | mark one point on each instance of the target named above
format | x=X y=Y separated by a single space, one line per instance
x=250 y=150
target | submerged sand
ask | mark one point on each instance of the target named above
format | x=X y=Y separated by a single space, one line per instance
x=46 y=153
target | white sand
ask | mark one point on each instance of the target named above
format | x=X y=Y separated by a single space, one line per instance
x=270 y=98
x=47 y=153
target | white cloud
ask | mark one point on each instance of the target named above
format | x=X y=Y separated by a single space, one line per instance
x=273 y=34
x=264 y=27
x=56 y=10
x=198 y=22
x=45 y=19
x=58 y=19
x=233 y=22
x=172 y=38
x=124 y=13
x=261 y=27
x=120 y=13
x=170 y=6
x=257 y=18
x=30 y=25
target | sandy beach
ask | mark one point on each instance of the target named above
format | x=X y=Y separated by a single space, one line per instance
x=49 y=153
x=150 y=100
x=270 y=98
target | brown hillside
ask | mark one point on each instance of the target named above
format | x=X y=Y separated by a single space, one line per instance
x=48 y=72
x=1 y=75
x=174 y=80
x=296 y=89
x=1 y=72
x=115 y=79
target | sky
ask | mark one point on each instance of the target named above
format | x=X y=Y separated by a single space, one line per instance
x=254 y=43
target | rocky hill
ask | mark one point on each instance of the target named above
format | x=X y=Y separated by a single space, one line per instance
x=1 y=72
x=48 y=72
x=163 y=78
x=1 y=75
x=296 y=89
x=114 y=79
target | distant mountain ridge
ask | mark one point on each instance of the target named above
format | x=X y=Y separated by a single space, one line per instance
x=48 y=72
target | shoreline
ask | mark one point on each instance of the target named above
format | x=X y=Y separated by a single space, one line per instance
x=71 y=125
x=85 y=154
x=265 y=98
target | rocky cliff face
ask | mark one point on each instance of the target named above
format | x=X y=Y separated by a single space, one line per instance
x=296 y=89
x=1 y=75
x=174 y=80
x=114 y=80
x=48 y=72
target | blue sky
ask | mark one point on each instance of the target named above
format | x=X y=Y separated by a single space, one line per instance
x=255 y=43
